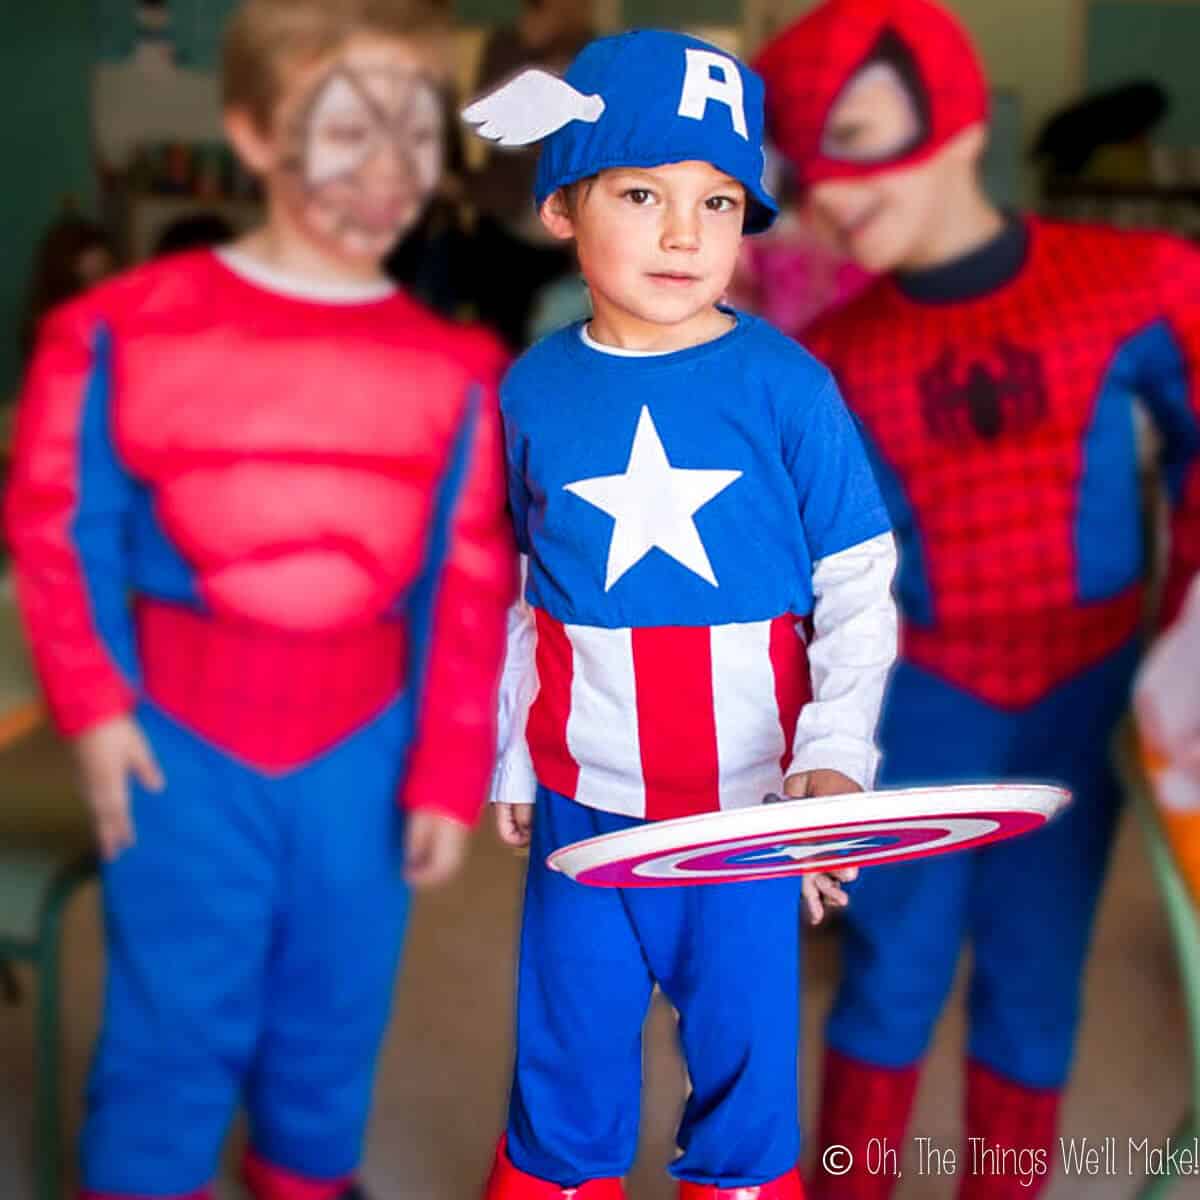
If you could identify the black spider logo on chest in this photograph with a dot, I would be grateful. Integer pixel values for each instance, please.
(1002, 393)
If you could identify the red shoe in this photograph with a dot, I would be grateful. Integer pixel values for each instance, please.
(864, 1114)
(786, 1187)
(1012, 1136)
(508, 1182)
(269, 1182)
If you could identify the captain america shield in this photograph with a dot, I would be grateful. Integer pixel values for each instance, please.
(798, 837)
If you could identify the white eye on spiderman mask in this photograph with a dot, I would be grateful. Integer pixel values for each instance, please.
(366, 152)
(882, 113)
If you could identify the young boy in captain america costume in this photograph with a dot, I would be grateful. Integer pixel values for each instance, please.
(258, 520)
(689, 492)
(994, 370)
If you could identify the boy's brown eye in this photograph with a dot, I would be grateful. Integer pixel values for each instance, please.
(638, 195)
(844, 135)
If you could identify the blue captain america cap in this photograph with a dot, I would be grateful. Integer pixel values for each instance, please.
(639, 99)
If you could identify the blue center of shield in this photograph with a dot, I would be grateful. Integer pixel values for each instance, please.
(783, 856)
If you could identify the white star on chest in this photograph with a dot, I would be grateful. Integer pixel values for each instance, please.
(652, 505)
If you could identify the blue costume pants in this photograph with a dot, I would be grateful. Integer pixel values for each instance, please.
(1025, 906)
(728, 959)
(253, 934)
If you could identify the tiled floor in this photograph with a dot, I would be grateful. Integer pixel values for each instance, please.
(443, 1075)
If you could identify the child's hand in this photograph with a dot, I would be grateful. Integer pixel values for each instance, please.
(822, 782)
(513, 823)
(106, 755)
(823, 891)
(434, 848)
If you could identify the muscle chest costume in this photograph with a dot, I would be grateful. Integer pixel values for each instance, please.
(272, 527)
(996, 396)
(685, 517)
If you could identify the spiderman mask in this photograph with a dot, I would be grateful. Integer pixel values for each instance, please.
(909, 58)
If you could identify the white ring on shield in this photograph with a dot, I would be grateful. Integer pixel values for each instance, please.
(958, 829)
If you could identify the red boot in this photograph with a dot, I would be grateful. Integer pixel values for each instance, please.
(269, 1182)
(864, 1115)
(1012, 1136)
(508, 1182)
(786, 1187)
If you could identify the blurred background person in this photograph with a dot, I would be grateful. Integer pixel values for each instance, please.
(74, 254)
(794, 272)
(513, 258)
(197, 231)
(434, 260)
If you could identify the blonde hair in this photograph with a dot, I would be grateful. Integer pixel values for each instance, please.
(265, 39)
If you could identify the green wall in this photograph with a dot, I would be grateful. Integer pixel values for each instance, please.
(670, 14)
(45, 57)
(661, 13)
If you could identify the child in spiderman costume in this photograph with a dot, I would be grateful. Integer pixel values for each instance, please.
(688, 490)
(258, 521)
(994, 369)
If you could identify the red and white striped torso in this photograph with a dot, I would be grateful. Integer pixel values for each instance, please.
(666, 721)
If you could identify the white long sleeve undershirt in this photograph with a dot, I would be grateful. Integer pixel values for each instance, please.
(850, 655)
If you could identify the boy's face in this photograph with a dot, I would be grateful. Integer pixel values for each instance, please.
(885, 219)
(658, 244)
(355, 149)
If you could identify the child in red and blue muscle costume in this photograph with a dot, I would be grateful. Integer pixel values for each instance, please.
(258, 521)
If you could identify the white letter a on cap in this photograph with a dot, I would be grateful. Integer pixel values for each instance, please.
(700, 86)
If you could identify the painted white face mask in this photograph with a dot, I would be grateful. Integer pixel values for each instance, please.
(366, 152)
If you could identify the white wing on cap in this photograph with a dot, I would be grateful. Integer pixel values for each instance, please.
(530, 107)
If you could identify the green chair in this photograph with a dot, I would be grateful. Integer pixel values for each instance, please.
(1184, 922)
(35, 884)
